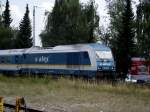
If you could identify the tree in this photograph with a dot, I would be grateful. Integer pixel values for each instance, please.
(0, 13)
(0, 20)
(105, 36)
(143, 28)
(69, 23)
(92, 20)
(6, 32)
(6, 35)
(125, 41)
(115, 11)
(6, 15)
(23, 39)
(139, 28)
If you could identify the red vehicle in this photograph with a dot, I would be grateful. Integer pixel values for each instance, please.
(140, 70)
(148, 63)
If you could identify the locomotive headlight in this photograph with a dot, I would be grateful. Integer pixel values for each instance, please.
(113, 68)
(99, 67)
(100, 64)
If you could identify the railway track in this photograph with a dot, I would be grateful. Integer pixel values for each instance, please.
(20, 106)
(24, 108)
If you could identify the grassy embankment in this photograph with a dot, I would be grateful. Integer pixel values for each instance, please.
(66, 95)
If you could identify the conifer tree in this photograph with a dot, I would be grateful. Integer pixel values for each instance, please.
(139, 27)
(115, 11)
(125, 41)
(6, 15)
(6, 32)
(70, 23)
(24, 36)
(0, 14)
(143, 28)
(6, 35)
(0, 21)
(93, 20)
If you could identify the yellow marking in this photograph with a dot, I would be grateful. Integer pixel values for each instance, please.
(1, 104)
(36, 65)
(19, 102)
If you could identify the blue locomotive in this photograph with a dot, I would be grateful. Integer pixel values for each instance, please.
(88, 60)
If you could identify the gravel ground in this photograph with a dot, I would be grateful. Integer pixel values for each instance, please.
(93, 102)
(76, 96)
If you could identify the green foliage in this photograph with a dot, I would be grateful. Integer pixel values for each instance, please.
(6, 35)
(6, 32)
(23, 39)
(105, 36)
(122, 33)
(69, 23)
(92, 20)
(0, 13)
(115, 11)
(143, 28)
(0, 20)
(6, 15)
(11, 38)
(125, 41)
(139, 27)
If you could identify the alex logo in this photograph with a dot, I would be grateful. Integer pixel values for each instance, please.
(41, 59)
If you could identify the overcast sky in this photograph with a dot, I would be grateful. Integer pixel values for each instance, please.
(17, 8)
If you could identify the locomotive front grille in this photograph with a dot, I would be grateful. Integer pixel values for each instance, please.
(106, 68)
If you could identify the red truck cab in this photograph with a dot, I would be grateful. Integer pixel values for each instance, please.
(140, 70)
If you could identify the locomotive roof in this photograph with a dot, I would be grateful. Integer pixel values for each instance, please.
(99, 47)
(17, 51)
(62, 48)
(95, 46)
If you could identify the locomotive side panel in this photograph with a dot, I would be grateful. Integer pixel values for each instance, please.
(57, 63)
(80, 59)
(10, 63)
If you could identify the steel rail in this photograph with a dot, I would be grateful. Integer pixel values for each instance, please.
(27, 109)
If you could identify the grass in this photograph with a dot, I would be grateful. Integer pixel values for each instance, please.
(76, 95)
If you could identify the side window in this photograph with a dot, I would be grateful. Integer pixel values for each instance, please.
(5, 59)
(16, 59)
(2, 60)
(85, 58)
(24, 56)
(143, 69)
(86, 55)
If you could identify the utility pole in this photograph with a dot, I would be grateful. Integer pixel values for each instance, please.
(34, 25)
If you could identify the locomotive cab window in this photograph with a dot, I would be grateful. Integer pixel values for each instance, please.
(104, 55)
